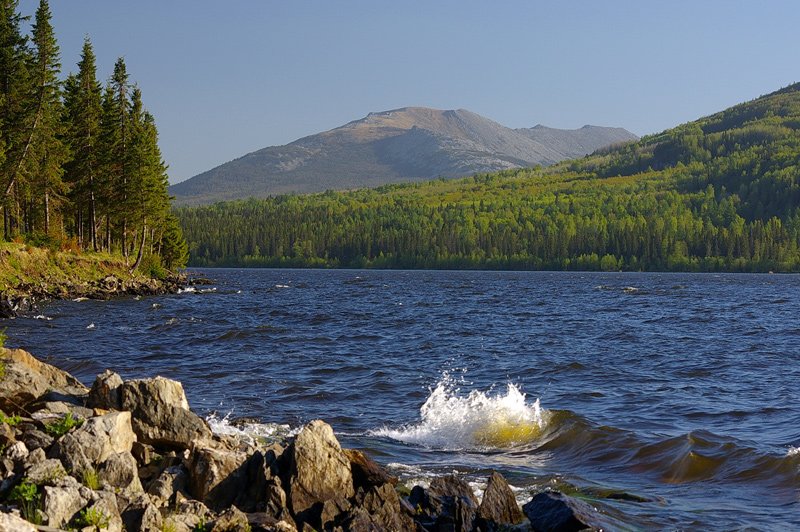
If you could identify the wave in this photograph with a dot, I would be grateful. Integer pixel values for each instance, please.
(478, 421)
(249, 430)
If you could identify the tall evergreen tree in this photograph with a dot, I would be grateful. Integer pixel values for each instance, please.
(48, 151)
(14, 107)
(83, 102)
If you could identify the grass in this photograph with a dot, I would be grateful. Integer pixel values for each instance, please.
(91, 480)
(63, 425)
(92, 517)
(9, 420)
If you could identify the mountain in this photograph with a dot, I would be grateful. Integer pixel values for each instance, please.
(408, 144)
(721, 193)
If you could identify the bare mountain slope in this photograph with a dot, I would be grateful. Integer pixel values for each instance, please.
(409, 144)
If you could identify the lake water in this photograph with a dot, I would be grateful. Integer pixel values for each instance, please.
(667, 400)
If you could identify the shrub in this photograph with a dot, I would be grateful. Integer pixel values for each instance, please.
(91, 480)
(63, 425)
(9, 420)
(26, 495)
(92, 517)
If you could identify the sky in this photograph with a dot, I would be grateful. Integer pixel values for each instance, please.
(224, 78)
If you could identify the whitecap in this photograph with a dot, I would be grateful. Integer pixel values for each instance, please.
(90, 326)
(250, 432)
(476, 421)
(43, 317)
(282, 286)
(187, 290)
(793, 451)
(79, 299)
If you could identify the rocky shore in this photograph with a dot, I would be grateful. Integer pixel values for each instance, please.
(131, 455)
(25, 297)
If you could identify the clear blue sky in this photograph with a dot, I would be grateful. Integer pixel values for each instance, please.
(224, 78)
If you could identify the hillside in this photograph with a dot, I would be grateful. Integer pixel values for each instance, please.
(409, 144)
(718, 194)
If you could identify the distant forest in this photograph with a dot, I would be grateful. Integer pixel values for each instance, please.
(718, 194)
(80, 166)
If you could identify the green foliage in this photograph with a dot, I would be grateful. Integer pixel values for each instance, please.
(9, 420)
(722, 193)
(26, 495)
(91, 479)
(92, 517)
(201, 526)
(77, 169)
(63, 425)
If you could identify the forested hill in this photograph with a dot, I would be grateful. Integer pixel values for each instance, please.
(720, 193)
(401, 145)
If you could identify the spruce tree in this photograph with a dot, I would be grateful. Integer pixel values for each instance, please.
(83, 102)
(15, 108)
(48, 151)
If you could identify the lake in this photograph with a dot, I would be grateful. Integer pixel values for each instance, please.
(667, 400)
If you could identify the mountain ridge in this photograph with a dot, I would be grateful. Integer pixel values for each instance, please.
(403, 144)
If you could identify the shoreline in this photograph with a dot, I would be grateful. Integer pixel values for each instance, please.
(133, 454)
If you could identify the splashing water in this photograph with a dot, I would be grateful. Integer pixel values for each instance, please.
(477, 421)
(250, 432)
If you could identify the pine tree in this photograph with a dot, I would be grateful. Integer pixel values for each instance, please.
(83, 102)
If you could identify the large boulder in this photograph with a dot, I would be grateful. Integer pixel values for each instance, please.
(161, 414)
(93, 442)
(25, 379)
(499, 506)
(554, 511)
(13, 523)
(141, 514)
(449, 504)
(120, 472)
(60, 504)
(318, 471)
(105, 391)
(104, 505)
(217, 476)
(164, 488)
(383, 506)
(366, 472)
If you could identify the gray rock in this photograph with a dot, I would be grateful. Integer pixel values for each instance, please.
(119, 471)
(161, 414)
(499, 506)
(171, 481)
(105, 391)
(17, 452)
(104, 506)
(141, 514)
(448, 504)
(26, 379)
(232, 520)
(61, 504)
(217, 476)
(7, 436)
(318, 471)
(14, 523)
(47, 472)
(34, 457)
(553, 511)
(383, 506)
(37, 439)
(93, 442)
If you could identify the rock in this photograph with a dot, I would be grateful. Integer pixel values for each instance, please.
(383, 506)
(448, 504)
(318, 471)
(17, 451)
(499, 506)
(142, 452)
(332, 510)
(37, 439)
(161, 414)
(44, 409)
(61, 504)
(105, 507)
(94, 441)
(554, 511)
(119, 471)
(34, 457)
(105, 392)
(232, 520)
(13, 523)
(163, 489)
(46, 472)
(6, 435)
(366, 472)
(141, 514)
(217, 476)
(25, 379)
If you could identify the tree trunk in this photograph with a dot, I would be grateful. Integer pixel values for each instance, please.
(47, 213)
(141, 246)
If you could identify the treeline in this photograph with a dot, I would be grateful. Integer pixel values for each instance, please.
(720, 194)
(80, 164)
